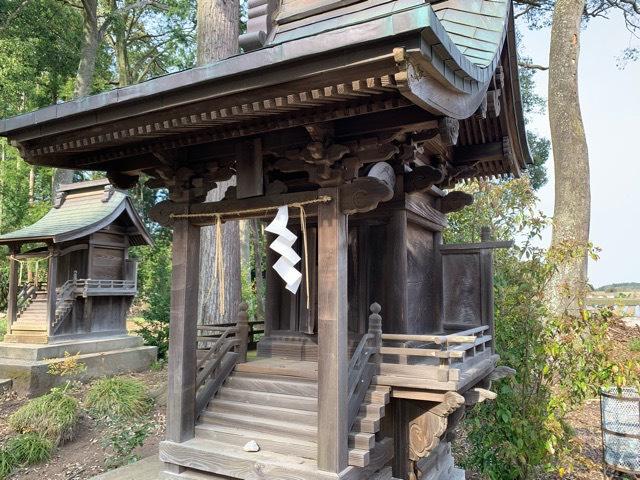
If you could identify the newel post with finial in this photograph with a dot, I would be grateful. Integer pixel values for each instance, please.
(243, 332)
(375, 330)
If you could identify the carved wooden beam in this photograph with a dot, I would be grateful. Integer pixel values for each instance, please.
(454, 201)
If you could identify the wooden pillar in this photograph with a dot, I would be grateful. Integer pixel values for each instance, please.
(333, 356)
(52, 283)
(183, 332)
(12, 300)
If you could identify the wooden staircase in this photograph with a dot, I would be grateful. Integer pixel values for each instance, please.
(274, 402)
(31, 323)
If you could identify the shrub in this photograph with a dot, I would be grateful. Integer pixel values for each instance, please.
(155, 280)
(3, 327)
(30, 448)
(634, 345)
(118, 398)
(53, 416)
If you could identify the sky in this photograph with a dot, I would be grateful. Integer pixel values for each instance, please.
(610, 102)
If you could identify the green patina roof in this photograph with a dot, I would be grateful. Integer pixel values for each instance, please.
(80, 214)
(476, 27)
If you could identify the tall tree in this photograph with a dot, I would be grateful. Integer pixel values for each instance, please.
(572, 209)
(218, 26)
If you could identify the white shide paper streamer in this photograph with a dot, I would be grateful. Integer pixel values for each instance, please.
(285, 265)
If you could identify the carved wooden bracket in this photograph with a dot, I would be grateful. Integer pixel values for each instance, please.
(121, 180)
(426, 431)
(364, 194)
(423, 177)
(449, 129)
(454, 201)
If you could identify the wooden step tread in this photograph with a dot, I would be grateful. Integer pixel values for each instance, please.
(297, 402)
(263, 411)
(281, 367)
(285, 387)
(267, 425)
(284, 444)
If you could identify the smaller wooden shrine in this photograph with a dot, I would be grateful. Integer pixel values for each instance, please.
(82, 247)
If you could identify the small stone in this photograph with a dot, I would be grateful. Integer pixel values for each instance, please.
(251, 446)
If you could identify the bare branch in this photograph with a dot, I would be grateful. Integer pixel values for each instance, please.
(532, 66)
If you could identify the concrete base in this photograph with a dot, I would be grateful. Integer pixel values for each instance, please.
(146, 469)
(28, 364)
(5, 384)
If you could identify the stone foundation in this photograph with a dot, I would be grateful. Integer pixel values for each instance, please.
(28, 364)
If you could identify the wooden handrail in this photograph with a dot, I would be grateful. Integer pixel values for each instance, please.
(228, 349)
(361, 370)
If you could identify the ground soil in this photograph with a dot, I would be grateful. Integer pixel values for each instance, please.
(85, 456)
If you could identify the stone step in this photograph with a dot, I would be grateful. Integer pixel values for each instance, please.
(5, 384)
(27, 337)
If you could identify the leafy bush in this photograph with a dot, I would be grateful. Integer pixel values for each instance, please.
(155, 281)
(118, 398)
(54, 416)
(30, 448)
(634, 345)
(3, 327)
(559, 362)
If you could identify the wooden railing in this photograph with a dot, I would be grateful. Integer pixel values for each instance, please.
(220, 348)
(26, 294)
(256, 331)
(65, 297)
(89, 287)
(361, 368)
(437, 357)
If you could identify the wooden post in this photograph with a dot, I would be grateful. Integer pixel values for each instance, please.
(183, 332)
(243, 332)
(333, 356)
(12, 300)
(52, 284)
(375, 329)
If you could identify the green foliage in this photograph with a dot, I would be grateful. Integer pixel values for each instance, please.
(634, 345)
(122, 438)
(620, 287)
(7, 463)
(30, 448)
(3, 327)
(155, 292)
(118, 397)
(54, 416)
(559, 362)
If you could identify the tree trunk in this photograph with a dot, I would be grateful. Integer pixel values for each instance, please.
(89, 51)
(60, 176)
(572, 209)
(120, 48)
(32, 185)
(218, 25)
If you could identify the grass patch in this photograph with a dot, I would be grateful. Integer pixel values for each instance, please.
(634, 345)
(53, 416)
(7, 463)
(30, 448)
(118, 397)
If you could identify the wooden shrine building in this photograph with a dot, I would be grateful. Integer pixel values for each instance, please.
(82, 245)
(362, 116)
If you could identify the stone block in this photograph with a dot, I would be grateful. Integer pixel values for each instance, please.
(28, 365)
